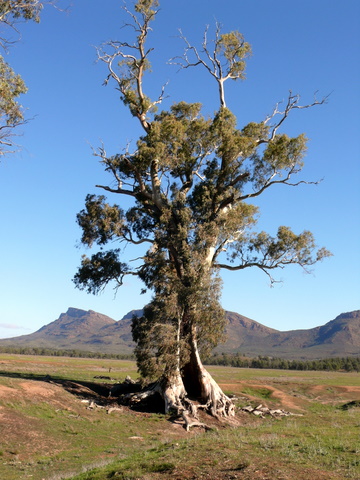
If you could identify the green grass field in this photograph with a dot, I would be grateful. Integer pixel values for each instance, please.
(48, 433)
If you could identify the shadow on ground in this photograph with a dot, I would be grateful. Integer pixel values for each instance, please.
(101, 393)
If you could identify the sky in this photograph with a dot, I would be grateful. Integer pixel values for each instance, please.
(306, 47)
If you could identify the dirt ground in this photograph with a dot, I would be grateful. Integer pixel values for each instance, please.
(25, 437)
(23, 433)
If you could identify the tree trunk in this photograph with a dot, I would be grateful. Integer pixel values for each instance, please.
(173, 392)
(196, 383)
(200, 384)
(172, 388)
(187, 390)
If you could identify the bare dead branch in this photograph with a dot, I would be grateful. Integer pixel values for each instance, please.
(291, 104)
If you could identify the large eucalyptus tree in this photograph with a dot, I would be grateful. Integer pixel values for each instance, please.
(191, 180)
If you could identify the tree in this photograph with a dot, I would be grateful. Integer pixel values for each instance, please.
(191, 179)
(11, 84)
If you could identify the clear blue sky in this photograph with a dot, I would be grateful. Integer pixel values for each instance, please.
(300, 46)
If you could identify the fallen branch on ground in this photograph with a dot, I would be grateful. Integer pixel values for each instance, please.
(261, 411)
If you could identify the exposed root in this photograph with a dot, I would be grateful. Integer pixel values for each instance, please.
(128, 386)
(133, 398)
(217, 403)
(171, 390)
(173, 393)
(192, 422)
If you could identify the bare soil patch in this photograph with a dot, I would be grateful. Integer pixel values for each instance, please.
(334, 394)
(25, 434)
(282, 399)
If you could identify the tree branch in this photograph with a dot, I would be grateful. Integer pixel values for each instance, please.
(224, 62)
(129, 238)
(134, 63)
(291, 104)
(275, 182)
(257, 265)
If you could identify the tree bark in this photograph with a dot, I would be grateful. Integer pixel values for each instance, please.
(173, 392)
(194, 389)
(200, 384)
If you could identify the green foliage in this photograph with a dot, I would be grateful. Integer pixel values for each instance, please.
(146, 7)
(162, 333)
(155, 334)
(96, 272)
(11, 87)
(11, 113)
(100, 222)
(234, 50)
(284, 152)
(15, 9)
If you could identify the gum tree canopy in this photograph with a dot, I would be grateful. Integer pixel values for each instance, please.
(191, 180)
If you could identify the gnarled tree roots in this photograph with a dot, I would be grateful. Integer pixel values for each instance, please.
(176, 401)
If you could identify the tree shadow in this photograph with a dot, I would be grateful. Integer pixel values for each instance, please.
(101, 393)
(76, 387)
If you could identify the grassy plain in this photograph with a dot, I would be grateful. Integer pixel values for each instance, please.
(49, 433)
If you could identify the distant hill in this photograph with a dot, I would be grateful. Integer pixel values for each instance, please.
(337, 338)
(94, 332)
(81, 330)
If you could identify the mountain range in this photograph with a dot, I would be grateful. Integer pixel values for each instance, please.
(94, 332)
